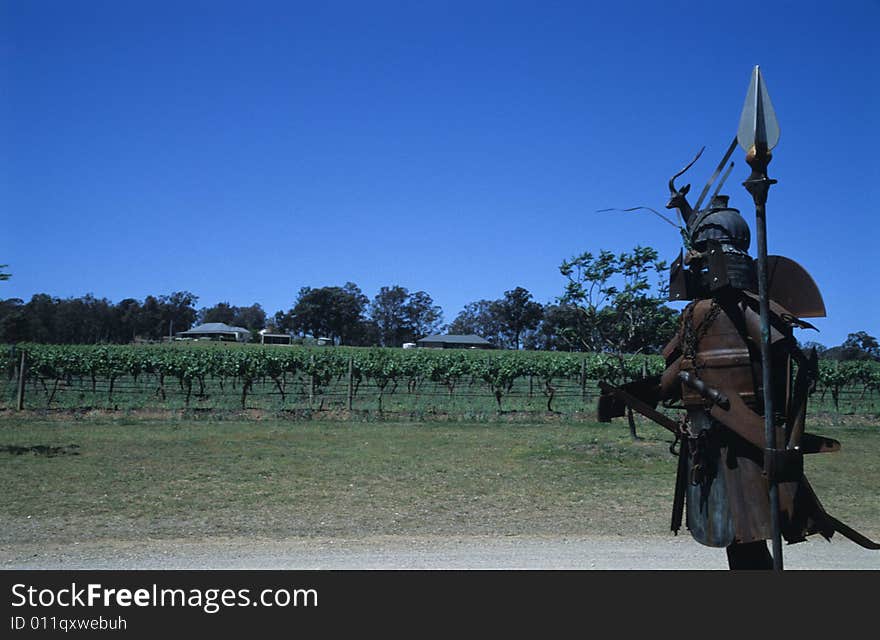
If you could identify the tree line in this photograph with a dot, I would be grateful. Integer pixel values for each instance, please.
(610, 302)
(343, 314)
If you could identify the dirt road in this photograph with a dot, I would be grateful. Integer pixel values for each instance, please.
(425, 552)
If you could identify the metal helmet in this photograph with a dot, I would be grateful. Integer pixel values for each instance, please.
(718, 239)
(722, 224)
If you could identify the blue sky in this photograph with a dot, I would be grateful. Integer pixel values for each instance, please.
(241, 151)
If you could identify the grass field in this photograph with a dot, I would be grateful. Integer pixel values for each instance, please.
(135, 477)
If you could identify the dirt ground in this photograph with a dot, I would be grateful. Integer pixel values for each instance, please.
(421, 552)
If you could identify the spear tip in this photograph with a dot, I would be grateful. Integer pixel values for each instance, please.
(757, 124)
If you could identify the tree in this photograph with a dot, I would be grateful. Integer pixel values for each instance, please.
(860, 346)
(588, 289)
(167, 314)
(221, 312)
(13, 321)
(40, 314)
(330, 312)
(177, 312)
(126, 320)
(818, 346)
(558, 330)
(388, 312)
(85, 320)
(90, 320)
(149, 321)
(399, 316)
(423, 316)
(252, 317)
(619, 309)
(282, 321)
(477, 318)
(639, 319)
(516, 312)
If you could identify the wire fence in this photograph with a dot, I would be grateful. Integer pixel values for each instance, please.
(301, 393)
(297, 393)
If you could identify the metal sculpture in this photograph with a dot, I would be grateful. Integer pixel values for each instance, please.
(737, 371)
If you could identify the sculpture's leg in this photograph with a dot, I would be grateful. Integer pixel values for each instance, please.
(749, 555)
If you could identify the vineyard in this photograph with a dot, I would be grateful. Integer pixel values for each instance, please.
(218, 376)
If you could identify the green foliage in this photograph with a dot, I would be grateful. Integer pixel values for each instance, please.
(504, 322)
(386, 368)
(194, 366)
(478, 318)
(252, 317)
(616, 306)
(859, 346)
(834, 376)
(517, 313)
(330, 312)
(89, 320)
(400, 316)
(229, 360)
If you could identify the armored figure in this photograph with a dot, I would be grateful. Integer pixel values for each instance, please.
(714, 373)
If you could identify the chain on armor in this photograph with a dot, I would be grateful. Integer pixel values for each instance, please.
(693, 335)
(681, 435)
(697, 443)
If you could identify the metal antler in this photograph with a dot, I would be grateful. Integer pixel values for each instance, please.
(640, 208)
(677, 197)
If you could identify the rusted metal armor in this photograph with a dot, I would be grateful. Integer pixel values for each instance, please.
(714, 373)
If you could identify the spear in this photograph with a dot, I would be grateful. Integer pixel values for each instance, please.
(758, 133)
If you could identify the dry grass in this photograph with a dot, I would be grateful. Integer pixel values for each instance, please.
(135, 477)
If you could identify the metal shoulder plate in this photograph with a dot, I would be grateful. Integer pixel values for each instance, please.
(793, 288)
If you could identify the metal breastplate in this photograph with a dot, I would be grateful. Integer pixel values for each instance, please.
(715, 351)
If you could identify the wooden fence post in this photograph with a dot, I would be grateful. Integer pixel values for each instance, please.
(583, 380)
(350, 382)
(311, 381)
(21, 379)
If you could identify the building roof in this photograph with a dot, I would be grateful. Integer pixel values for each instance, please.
(274, 332)
(214, 327)
(468, 340)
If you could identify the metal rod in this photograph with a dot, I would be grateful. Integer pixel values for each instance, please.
(721, 164)
(758, 133)
(767, 378)
(723, 180)
(758, 185)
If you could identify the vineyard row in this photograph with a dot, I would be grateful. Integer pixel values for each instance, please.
(195, 371)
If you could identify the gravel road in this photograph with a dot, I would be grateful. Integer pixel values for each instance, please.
(426, 552)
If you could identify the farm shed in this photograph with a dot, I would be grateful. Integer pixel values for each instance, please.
(271, 337)
(455, 342)
(217, 331)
